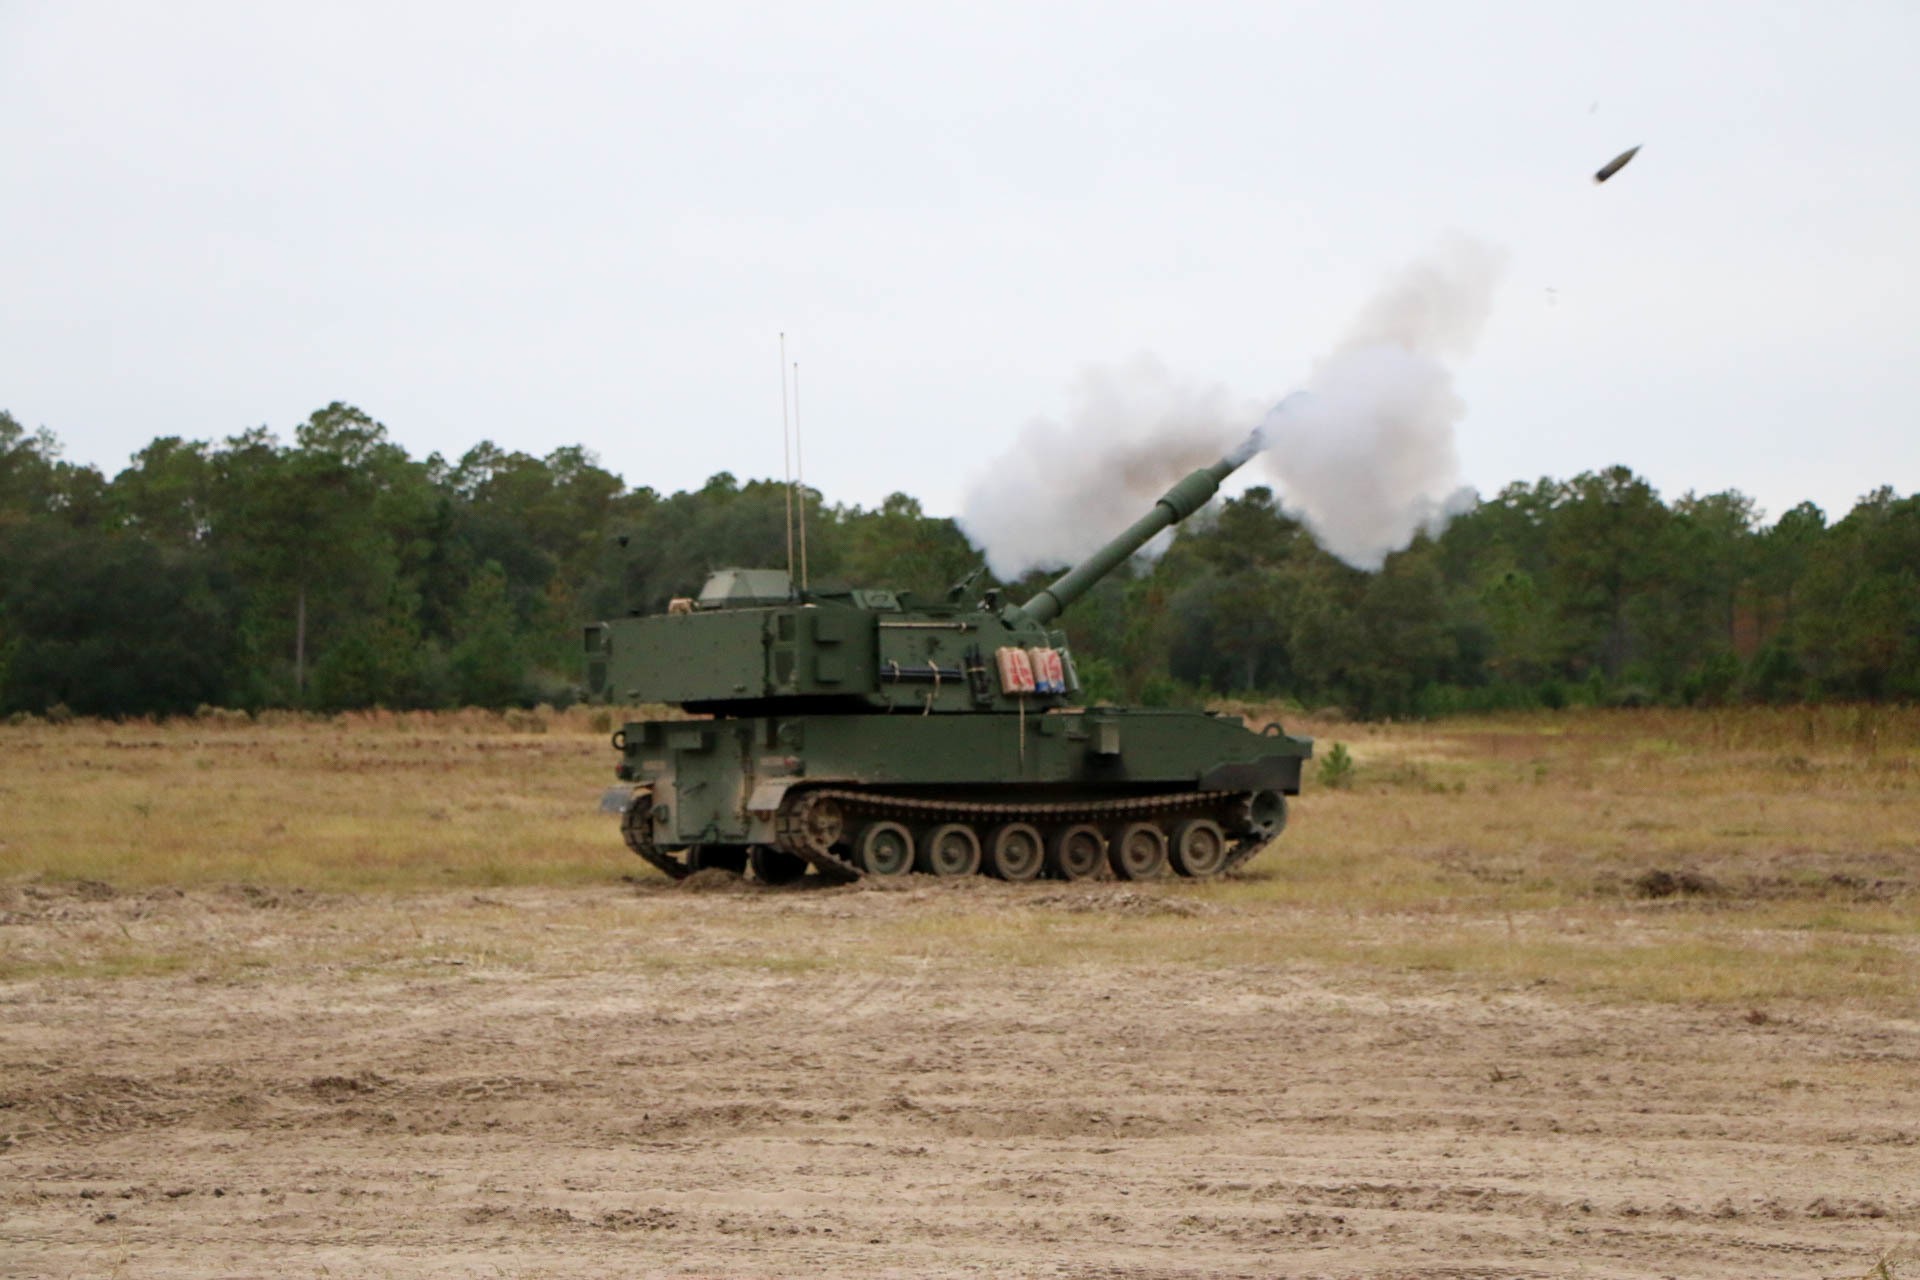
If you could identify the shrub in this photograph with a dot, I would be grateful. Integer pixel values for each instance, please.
(1336, 767)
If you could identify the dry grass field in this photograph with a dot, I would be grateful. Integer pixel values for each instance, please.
(1605, 994)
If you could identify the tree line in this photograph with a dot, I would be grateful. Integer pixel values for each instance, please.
(335, 571)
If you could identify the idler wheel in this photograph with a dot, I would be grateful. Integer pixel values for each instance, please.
(636, 827)
(951, 849)
(884, 849)
(1015, 851)
(1138, 852)
(1076, 852)
(1199, 848)
(776, 866)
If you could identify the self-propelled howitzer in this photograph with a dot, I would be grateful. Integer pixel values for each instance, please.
(863, 732)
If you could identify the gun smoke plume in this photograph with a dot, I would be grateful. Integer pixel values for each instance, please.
(1066, 487)
(1366, 458)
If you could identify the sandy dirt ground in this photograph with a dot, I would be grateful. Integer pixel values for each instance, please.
(519, 1097)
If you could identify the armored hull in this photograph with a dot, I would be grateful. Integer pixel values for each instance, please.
(1066, 791)
(862, 732)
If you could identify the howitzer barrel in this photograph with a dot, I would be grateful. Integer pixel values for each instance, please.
(1175, 505)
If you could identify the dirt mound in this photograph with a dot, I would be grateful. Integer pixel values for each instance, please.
(715, 880)
(262, 898)
(339, 1088)
(53, 900)
(1660, 883)
(1112, 900)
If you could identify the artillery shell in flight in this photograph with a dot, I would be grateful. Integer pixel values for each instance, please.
(1615, 165)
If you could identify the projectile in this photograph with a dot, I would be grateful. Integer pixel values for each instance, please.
(1615, 165)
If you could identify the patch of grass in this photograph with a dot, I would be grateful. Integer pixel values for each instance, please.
(1713, 969)
(1606, 956)
(365, 802)
(1496, 849)
(117, 961)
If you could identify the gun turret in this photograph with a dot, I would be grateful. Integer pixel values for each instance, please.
(1175, 505)
(750, 644)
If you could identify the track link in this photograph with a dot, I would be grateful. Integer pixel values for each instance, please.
(807, 827)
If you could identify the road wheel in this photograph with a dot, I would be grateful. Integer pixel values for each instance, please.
(884, 849)
(1076, 852)
(1015, 851)
(1199, 848)
(776, 866)
(951, 849)
(1138, 851)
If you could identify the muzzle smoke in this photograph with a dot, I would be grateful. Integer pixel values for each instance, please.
(1365, 457)
(1068, 486)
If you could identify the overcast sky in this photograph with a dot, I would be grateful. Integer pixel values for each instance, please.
(568, 224)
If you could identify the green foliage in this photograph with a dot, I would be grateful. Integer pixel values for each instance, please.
(332, 570)
(1775, 675)
(897, 544)
(1336, 767)
(379, 660)
(36, 485)
(1858, 629)
(108, 624)
(1159, 691)
(1099, 680)
(487, 669)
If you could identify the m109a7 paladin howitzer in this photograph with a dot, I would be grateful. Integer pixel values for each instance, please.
(865, 733)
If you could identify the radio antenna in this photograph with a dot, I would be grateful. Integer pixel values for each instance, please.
(786, 455)
(800, 469)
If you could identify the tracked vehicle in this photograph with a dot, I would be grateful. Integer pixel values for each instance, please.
(861, 732)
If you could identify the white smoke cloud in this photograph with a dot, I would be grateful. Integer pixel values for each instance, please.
(1068, 486)
(1366, 458)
